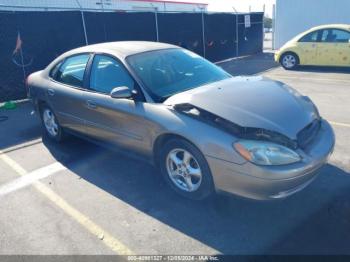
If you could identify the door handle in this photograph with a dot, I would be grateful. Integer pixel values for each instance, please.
(91, 104)
(51, 92)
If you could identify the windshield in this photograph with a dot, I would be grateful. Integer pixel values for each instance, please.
(170, 71)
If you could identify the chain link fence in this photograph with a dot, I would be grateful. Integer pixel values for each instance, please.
(31, 38)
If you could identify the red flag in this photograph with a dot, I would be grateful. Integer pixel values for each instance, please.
(18, 44)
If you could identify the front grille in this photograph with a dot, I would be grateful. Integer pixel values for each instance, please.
(307, 134)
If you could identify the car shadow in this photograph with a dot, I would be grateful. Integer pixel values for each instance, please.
(250, 65)
(326, 230)
(226, 223)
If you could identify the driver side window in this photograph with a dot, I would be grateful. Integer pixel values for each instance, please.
(107, 73)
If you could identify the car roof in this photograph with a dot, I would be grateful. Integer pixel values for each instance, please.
(336, 26)
(120, 49)
(124, 48)
(320, 27)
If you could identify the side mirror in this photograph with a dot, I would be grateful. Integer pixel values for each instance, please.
(121, 92)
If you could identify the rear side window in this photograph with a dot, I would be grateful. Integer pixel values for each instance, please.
(107, 73)
(310, 37)
(335, 36)
(72, 70)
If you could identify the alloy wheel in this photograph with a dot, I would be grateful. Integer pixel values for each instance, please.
(50, 122)
(183, 170)
(289, 61)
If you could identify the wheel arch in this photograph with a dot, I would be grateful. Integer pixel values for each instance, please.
(162, 139)
(41, 102)
(39, 105)
(290, 52)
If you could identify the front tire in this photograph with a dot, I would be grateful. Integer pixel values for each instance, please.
(186, 170)
(50, 124)
(289, 61)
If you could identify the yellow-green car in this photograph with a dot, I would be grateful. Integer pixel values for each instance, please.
(326, 45)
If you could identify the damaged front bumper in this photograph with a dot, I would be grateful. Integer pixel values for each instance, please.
(273, 182)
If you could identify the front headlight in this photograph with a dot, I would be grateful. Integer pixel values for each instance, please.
(265, 153)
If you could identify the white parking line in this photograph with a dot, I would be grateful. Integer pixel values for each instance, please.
(23, 145)
(30, 178)
(339, 124)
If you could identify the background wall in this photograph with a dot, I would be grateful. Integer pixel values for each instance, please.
(296, 16)
(30, 40)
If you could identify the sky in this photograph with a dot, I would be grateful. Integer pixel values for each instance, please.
(240, 5)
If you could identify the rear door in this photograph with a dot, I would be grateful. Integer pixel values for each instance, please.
(118, 121)
(334, 48)
(66, 91)
(307, 46)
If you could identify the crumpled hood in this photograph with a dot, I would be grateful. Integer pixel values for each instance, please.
(253, 102)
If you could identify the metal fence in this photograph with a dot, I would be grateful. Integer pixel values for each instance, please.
(29, 40)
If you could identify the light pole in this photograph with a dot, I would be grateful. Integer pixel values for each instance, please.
(156, 20)
(235, 10)
(102, 5)
(203, 30)
(83, 20)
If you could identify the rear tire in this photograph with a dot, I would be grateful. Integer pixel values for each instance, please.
(289, 61)
(185, 169)
(51, 127)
